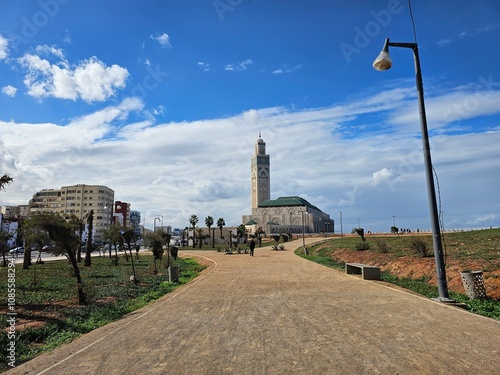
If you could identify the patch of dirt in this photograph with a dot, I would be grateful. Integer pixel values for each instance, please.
(414, 267)
(33, 316)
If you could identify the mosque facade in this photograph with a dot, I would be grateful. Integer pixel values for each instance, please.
(291, 214)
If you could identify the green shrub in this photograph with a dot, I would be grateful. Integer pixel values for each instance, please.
(382, 246)
(419, 246)
(362, 246)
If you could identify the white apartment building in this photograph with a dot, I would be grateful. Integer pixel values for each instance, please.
(78, 200)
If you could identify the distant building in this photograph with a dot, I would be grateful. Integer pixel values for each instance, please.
(77, 200)
(135, 222)
(10, 225)
(122, 213)
(9, 211)
(283, 215)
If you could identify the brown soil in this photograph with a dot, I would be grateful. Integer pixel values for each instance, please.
(413, 267)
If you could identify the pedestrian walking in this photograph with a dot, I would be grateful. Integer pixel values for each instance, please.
(252, 246)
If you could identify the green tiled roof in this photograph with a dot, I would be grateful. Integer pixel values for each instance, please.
(287, 202)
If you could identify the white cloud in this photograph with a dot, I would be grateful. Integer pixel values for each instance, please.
(286, 69)
(67, 37)
(203, 167)
(4, 49)
(204, 66)
(49, 50)
(90, 80)
(443, 42)
(163, 39)
(9, 90)
(469, 34)
(243, 65)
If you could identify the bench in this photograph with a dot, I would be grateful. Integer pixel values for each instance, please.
(367, 272)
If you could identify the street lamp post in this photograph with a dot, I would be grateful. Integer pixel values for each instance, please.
(109, 213)
(154, 223)
(383, 62)
(394, 221)
(341, 229)
(303, 233)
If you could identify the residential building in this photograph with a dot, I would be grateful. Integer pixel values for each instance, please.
(78, 200)
(135, 222)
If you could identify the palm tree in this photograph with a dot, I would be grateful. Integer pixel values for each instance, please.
(193, 220)
(5, 180)
(200, 236)
(209, 221)
(241, 231)
(220, 224)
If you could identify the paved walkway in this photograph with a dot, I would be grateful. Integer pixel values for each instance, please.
(277, 313)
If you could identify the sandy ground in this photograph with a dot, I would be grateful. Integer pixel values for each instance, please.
(277, 313)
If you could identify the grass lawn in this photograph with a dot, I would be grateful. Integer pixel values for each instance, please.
(46, 299)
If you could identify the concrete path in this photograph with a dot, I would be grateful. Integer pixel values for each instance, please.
(277, 313)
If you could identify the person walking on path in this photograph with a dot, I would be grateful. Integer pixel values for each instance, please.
(252, 246)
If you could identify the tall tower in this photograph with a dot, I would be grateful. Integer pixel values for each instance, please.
(261, 178)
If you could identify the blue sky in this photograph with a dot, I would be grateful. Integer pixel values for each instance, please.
(162, 101)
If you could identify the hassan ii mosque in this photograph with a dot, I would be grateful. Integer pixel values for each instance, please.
(283, 215)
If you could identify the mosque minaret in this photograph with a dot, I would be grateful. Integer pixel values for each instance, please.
(291, 214)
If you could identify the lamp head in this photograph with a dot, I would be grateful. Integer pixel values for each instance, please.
(383, 60)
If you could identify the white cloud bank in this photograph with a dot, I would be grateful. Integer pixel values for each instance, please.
(203, 167)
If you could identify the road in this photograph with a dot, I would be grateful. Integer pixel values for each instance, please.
(276, 313)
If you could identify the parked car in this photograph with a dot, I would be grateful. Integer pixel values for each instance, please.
(17, 250)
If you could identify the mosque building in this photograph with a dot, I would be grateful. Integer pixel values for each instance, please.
(291, 214)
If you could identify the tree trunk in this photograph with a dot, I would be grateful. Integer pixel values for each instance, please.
(80, 235)
(133, 266)
(90, 222)
(27, 257)
(79, 283)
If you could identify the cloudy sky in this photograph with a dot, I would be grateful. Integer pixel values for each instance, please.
(163, 102)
